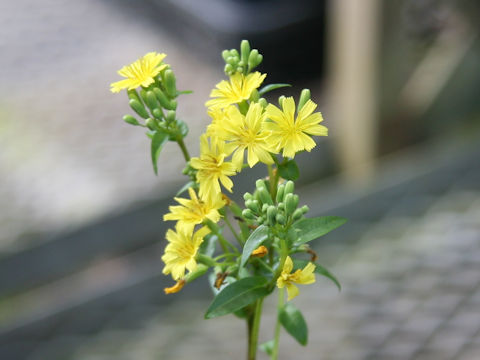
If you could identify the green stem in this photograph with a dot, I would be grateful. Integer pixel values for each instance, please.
(254, 329)
(186, 155)
(229, 224)
(276, 339)
(224, 243)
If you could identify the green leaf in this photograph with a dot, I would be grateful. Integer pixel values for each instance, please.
(255, 239)
(185, 188)
(289, 170)
(309, 229)
(271, 87)
(267, 347)
(184, 92)
(292, 320)
(158, 140)
(237, 295)
(319, 269)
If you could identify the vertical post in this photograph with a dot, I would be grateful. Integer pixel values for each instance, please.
(352, 52)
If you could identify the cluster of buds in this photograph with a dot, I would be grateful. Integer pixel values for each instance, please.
(261, 208)
(241, 63)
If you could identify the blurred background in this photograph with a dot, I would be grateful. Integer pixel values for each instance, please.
(81, 231)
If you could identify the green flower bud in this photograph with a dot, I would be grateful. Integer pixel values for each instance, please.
(173, 105)
(281, 206)
(239, 69)
(234, 53)
(289, 188)
(280, 218)
(252, 59)
(304, 209)
(247, 196)
(138, 108)
(271, 214)
(264, 208)
(151, 124)
(259, 184)
(264, 195)
(162, 99)
(228, 68)
(253, 205)
(280, 191)
(289, 204)
(225, 54)
(297, 214)
(245, 50)
(129, 119)
(157, 113)
(280, 100)
(151, 100)
(247, 214)
(133, 95)
(295, 200)
(171, 116)
(232, 61)
(304, 97)
(259, 59)
(263, 102)
(260, 220)
(170, 83)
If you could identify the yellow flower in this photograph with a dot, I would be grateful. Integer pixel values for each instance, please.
(246, 133)
(305, 276)
(181, 250)
(194, 210)
(140, 73)
(238, 89)
(175, 288)
(294, 135)
(212, 167)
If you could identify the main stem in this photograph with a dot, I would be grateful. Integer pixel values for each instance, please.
(276, 338)
(254, 328)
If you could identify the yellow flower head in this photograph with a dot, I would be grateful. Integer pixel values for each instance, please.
(290, 134)
(140, 73)
(238, 89)
(246, 133)
(194, 211)
(181, 251)
(304, 277)
(212, 167)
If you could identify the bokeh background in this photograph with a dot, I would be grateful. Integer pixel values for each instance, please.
(81, 230)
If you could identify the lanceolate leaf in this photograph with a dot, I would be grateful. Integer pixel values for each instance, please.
(255, 239)
(319, 269)
(309, 229)
(158, 140)
(271, 87)
(292, 320)
(237, 295)
(185, 188)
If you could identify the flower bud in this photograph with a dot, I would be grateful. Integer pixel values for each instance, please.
(247, 214)
(138, 108)
(157, 113)
(171, 115)
(228, 69)
(281, 206)
(239, 69)
(264, 208)
(259, 183)
(271, 214)
(264, 195)
(253, 59)
(151, 124)
(263, 102)
(289, 204)
(133, 95)
(225, 54)
(247, 196)
(245, 50)
(280, 219)
(129, 119)
(234, 53)
(304, 97)
(200, 270)
(162, 99)
(259, 59)
(170, 83)
(151, 100)
(297, 214)
(254, 95)
(280, 191)
(304, 209)
(280, 100)
(289, 188)
(253, 205)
